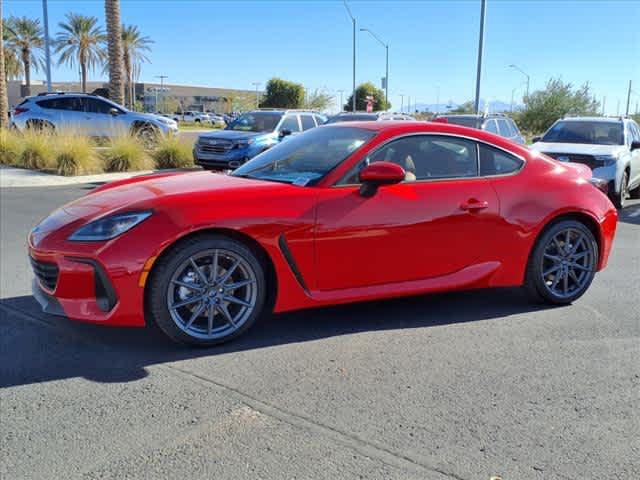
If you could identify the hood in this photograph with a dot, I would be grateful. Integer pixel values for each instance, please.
(233, 134)
(151, 192)
(577, 148)
(153, 117)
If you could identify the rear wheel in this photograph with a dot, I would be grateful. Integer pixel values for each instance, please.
(207, 290)
(562, 264)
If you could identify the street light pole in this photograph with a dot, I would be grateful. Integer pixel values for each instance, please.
(353, 21)
(437, 99)
(628, 98)
(522, 72)
(257, 84)
(341, 100)
(47, 49)
(161, 77)
(386, 78)
(480, 50)
(401, 102)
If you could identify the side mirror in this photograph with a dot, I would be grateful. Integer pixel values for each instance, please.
(377, 174)
(537, 138)
(114, 111)
(285, 132)
(635, 145)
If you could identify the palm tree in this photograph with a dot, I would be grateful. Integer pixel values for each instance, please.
(26, 38)
(12, 64)
(4, 103)
(116, 86)
(134, 48)
(81, 40)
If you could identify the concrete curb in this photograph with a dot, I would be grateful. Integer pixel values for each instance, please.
(11, 177)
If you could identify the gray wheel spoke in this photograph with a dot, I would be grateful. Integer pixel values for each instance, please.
(214, 268)
(198, 271)
(558, 246)
(195, 315)
(229, 272)
(574, 277)
(553, 258)
(553, 269)
(565, 283)
(190, 286)
(554, 284)
(578, 256)
(210, 319)
(225, 312)
(239, 301)
(579, 267)
(188, 301)
(241, 283)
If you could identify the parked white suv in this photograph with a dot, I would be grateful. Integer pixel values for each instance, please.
(609, 146)
(191, 117)
(87, 114)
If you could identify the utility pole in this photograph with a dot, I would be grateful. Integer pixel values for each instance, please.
(386, 78)
(353, 21)
(604, 102)
(618, 109)
(161, 77)
(341, 100)
(401, 103)
(257, 84)
(409, 104)
(47, 47)
(437, 99)
(628, 99)
(480, 50)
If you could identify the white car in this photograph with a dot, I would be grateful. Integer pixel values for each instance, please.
(217, 120)
(609, 146)
(191, 117)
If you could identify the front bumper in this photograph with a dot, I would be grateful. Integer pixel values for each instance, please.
(610, 174)
(231, 159)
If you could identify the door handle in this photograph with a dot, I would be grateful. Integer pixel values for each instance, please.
(472, 205)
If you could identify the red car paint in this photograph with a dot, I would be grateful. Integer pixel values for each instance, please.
(408, 238)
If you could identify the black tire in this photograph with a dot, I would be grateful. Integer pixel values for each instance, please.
(148, 134)
(635, 193)
(160, 284)
(619, 199)
(536, 284)
(197, 120)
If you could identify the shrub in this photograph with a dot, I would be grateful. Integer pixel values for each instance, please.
(36, 152)
(10, 147)
(126, 153)
(76, 155)
(170, 152)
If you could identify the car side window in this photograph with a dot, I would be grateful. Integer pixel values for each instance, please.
(70, 104)
(307, 122)
(503, 127)
(491, 126)
(290, 123)
(320, 120)
(514, 127)
(635, 130)
(94, 105)
(494, 161)
(425, 157)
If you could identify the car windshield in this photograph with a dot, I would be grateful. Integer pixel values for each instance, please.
(353, 118)
(305, 158)
(256, 122)
(591, 132)
(464, 121)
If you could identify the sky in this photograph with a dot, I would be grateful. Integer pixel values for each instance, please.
(433, 44)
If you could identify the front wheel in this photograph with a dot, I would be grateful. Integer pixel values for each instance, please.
(562, 264)
(207, 290)
(619, 199)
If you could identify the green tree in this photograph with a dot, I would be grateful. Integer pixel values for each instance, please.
(317, 100)
(81, 40)
(466, 107)
(12, 64)
(26, 38)
(4, 103)
(281, 93)
(543, 107)
(134, 52)
(362, 92)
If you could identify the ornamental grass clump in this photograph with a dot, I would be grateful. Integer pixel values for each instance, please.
(37, 150)
(125, 154)
(170, 152)
(76, 155)
(10, 147)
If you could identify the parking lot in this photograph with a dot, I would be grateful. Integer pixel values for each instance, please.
(459, 386)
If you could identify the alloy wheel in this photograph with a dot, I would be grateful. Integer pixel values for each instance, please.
(212, 294)
(568, 261)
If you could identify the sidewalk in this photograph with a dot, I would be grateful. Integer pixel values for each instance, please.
(20, 177)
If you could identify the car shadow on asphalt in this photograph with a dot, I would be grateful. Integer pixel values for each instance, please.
(36, 347)
(630, 214)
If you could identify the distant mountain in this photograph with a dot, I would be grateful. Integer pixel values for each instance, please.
(494, 106)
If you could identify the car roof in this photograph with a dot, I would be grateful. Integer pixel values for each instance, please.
(592, 119)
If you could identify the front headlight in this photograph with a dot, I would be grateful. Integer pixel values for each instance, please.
(244, 143)
(606, 160)
(108, 227)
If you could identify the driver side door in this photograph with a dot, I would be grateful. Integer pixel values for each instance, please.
(437, 222)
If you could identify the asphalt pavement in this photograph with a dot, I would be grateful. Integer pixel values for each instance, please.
(456, 386)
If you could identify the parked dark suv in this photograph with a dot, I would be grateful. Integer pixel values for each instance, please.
(492, 123)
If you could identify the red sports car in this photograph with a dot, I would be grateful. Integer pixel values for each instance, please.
(338, 214)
